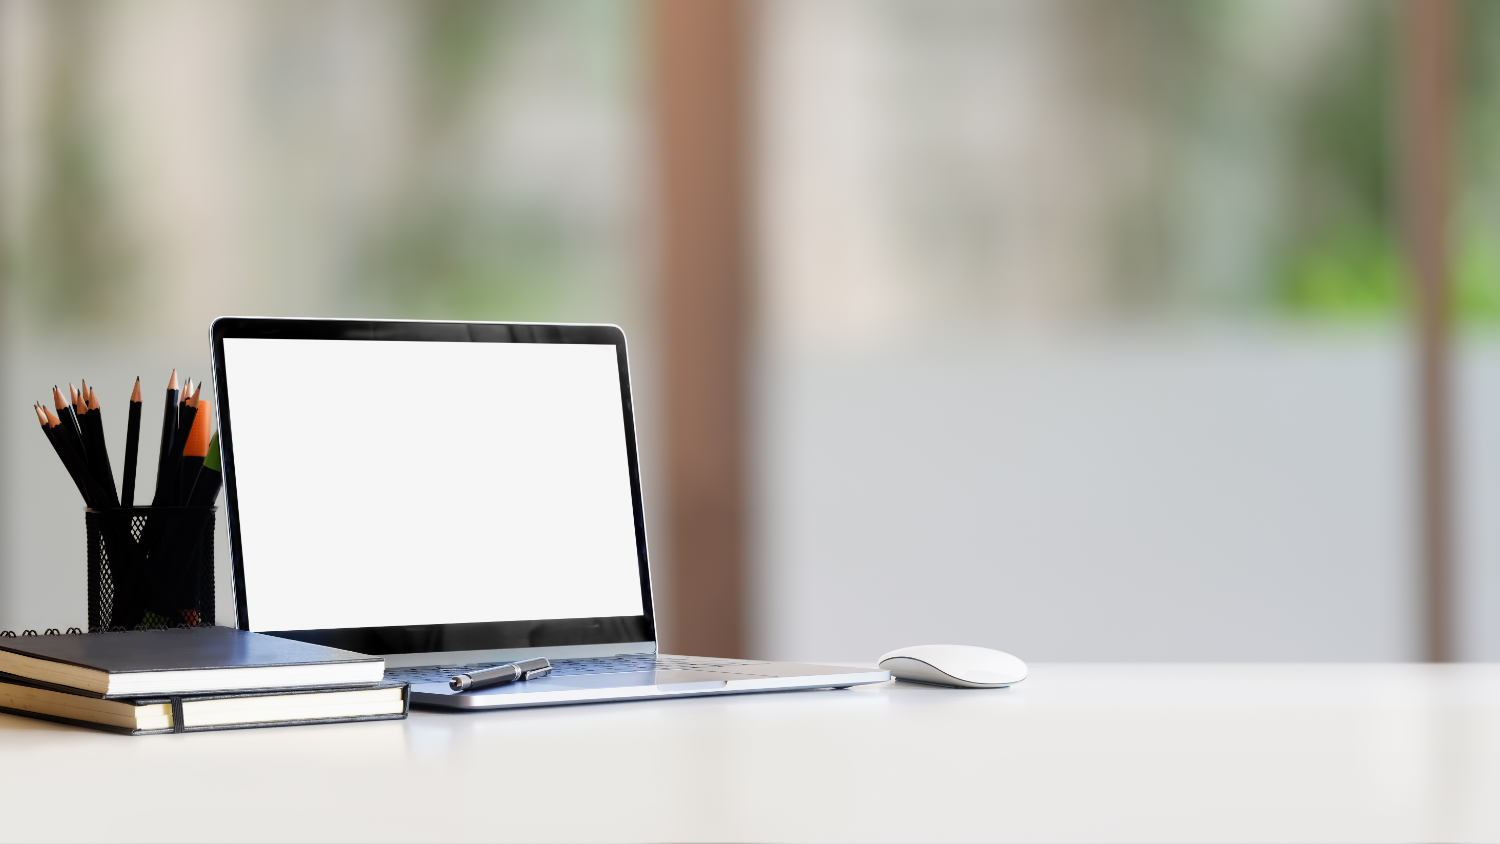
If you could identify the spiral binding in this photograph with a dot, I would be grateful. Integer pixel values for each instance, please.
(51, 631)
(74, 631)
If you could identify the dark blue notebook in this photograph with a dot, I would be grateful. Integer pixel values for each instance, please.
(182, 661)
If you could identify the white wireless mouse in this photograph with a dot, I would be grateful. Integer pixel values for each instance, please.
(961, 666)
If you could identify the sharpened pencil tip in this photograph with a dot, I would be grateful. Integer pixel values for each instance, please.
(172, 385)
(57, 398)
(41, 415)
(135, 395)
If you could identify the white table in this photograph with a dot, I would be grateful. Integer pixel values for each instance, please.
(1076, 753)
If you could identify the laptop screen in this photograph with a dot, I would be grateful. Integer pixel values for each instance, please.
(458, 487)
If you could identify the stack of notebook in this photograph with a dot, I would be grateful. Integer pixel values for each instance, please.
(189, 680)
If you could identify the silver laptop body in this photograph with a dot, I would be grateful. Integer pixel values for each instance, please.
(472, 498)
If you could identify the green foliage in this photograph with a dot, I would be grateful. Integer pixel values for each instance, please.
(1355, 277)
(1476, 282)
(1366, 279)
(1343, 254)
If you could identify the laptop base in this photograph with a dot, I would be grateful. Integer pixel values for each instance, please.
(675, 677)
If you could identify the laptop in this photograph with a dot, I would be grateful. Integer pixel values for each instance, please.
(453, 496)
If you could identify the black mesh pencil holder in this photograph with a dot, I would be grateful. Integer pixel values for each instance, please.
(150, 567)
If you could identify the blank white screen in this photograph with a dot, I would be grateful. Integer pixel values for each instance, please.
(430, 483)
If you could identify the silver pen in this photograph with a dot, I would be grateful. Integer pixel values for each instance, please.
(509, 672)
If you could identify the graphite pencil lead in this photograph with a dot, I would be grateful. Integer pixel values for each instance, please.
(172, 385)
(197, 394)
(93, 399)
(41, 415)
(58, 399)
(135, 395)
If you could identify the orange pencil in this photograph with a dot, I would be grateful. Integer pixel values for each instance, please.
(194, 450)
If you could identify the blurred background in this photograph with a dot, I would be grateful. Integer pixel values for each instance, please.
(1087, 330)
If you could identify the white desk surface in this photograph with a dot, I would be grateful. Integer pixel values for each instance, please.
(1098, 753)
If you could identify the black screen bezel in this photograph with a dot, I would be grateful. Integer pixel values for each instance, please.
(428, 638)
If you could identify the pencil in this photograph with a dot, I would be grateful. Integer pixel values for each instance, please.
(187, 413)
(168, 433)
(194, 450)
(109, 468)
(48, 428)
(65, 414)
(210, 478)
(86, 430)
(68, 431)
(79, 409)
(97, 497)
(70, 434)
(184, 399)
(132, 445)
(85, 421)
(52, 420)
(187, 410)
(104, 471)
(41, 416)
(81, 413)
(70, 451)
(75, 407)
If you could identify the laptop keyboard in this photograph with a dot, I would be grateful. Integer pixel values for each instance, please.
(574, 667)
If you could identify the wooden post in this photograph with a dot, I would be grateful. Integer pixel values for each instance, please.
(699, 56)
(1427, 65)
